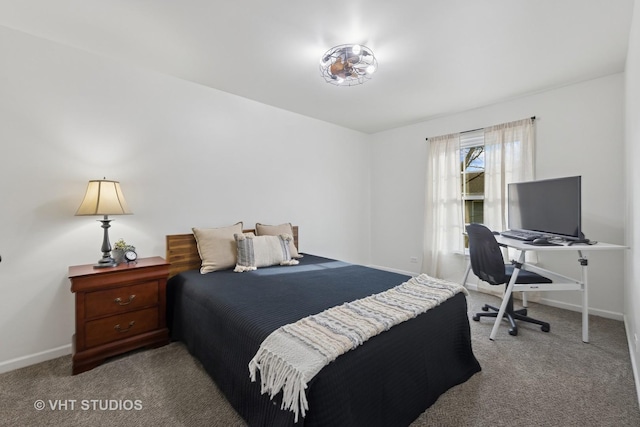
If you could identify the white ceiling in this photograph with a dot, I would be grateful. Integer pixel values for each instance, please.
(435, 57)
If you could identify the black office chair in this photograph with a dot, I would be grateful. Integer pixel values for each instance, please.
(488, 264)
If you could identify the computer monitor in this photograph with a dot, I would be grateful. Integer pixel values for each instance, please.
(551, 206)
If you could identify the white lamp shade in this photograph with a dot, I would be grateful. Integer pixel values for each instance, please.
(103, 197)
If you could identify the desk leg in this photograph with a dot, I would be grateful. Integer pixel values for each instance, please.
(585, 297)
(505, 298)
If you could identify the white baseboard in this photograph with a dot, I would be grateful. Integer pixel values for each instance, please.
(393, 270)
(471, 286)
(32, 359)
(632, 353)
(575, 307)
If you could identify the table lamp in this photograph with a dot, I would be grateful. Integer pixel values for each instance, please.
(104, 197)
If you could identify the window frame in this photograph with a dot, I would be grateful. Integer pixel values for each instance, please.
(469, 139)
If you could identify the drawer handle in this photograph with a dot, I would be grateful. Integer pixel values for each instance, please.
(117, 327)
(119, 300)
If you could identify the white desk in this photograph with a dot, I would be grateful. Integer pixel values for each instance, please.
(560, 282)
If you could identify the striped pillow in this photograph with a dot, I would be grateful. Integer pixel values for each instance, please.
(262, 251)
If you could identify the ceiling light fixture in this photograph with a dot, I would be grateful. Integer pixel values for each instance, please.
(348, 65)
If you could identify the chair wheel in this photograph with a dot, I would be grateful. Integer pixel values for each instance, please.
(513, 332)
(485, 308)
(545, 328)
(476, 317)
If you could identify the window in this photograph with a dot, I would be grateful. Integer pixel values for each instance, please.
(472, 171)
(467, 177)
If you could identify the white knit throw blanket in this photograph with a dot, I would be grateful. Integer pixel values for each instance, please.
(293, 354)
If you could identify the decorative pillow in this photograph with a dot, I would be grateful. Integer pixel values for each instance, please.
(262, 251)
(217, 247)
(276, 230)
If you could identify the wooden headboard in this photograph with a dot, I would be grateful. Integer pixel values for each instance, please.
(182, 251)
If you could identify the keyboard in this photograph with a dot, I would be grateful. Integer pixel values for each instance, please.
(527, 236)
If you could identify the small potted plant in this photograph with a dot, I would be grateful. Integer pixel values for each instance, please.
(119, 248)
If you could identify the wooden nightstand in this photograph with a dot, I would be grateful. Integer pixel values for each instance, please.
(118, 309)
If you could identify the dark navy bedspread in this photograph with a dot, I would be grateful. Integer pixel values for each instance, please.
(223, 317)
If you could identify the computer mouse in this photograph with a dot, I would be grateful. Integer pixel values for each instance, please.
(540, 241)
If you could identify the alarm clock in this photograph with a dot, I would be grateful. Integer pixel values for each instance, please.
(130, 255)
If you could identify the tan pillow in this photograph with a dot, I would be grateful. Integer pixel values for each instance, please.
(217, 247)
(276, 230)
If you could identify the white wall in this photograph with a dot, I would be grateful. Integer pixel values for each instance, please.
(632, 154)
(579, 132)
(186, 156)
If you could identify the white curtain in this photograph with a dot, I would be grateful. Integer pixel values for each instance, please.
(443, 207)
(509, 151)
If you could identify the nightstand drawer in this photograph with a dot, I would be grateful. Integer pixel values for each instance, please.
(119, 300)
(124, 325)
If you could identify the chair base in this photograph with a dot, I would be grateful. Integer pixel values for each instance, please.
(512, 315)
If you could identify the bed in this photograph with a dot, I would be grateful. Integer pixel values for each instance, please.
(223, 317)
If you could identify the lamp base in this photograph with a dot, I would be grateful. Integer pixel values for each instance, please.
(105, 262)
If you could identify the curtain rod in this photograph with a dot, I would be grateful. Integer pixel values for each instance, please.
(473, 130)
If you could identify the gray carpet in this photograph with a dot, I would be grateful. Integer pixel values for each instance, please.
(534, 379)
